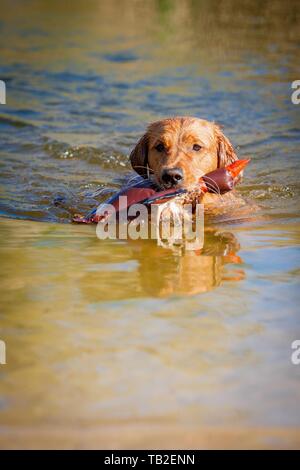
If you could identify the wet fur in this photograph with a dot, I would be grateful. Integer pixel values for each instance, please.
(178, 135)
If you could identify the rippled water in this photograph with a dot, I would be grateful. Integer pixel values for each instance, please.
(125, 336)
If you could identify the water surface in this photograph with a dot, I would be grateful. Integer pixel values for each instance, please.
(124, 343)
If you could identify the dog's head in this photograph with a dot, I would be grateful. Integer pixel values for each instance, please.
(176, 152)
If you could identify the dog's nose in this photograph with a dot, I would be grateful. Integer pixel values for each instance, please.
(172, 177)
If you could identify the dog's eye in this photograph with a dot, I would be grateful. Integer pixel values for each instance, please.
(197, 147)
(160, 147)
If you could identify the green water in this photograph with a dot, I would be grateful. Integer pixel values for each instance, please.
(126, 335)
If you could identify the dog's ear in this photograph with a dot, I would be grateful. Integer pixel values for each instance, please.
(226, 153)
(139, 156)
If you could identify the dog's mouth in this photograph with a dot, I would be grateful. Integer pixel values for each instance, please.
(165, 186)
(161, 186)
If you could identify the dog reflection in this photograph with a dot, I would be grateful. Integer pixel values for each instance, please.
(158, 272)
(166, 273)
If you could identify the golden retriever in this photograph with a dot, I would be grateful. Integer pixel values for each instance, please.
(176, 152)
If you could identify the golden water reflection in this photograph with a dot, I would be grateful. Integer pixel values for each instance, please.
(98, 337)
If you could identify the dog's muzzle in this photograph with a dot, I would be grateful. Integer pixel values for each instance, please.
(172, 177)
